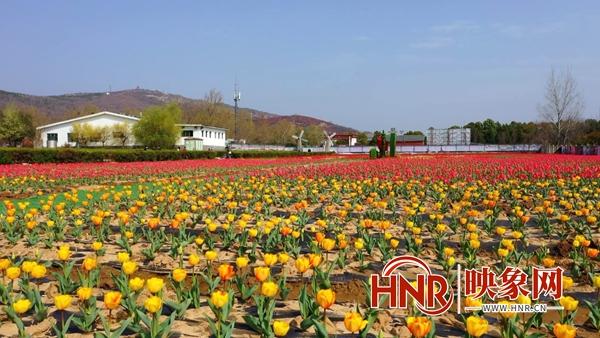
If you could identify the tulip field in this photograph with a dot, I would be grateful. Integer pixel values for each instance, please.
(285, 247)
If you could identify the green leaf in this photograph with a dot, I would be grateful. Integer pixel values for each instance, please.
(320, 329)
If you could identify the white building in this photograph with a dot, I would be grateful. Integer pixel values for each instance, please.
(193, 136)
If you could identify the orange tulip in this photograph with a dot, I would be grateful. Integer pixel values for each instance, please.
(226, 272)
(261, 273)
(112, 299)
(418, 326)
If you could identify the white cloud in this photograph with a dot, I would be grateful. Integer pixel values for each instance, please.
(521, 31)
(456, 26)
(433, 43)
(361, 38)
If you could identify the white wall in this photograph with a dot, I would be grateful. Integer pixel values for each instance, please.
(214, 138)
(64, 129)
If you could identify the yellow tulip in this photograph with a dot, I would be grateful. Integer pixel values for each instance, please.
(359, 244)
(38, 271)
(569, 303)
(283, 258)
(154, 285)
(270, 259)
(354, 322)
(269, 289)
(328, 244)
(21, 306)
(194, 260)
(597, 282)
(153, 304)
(325, 298)
(302, 264)
(210, 255)
(13, 272)
(123, 257)
(62, 302)
(472, 302)
(253, 232)
(4, 264)
(477, 326)
(64, 253)
(179, 275)
(136, 284)
(219, 298)
(129, 267)
(84, 293)
(522, 299)
(96, 246)
(89, 263)
(280, 328)
(27, 266)
(567, 282)
(241, 262)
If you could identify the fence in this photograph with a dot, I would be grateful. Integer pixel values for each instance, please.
(479, 148)
(448, 148)
(579, 150)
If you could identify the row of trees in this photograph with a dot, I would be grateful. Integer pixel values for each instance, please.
(583, 132)
(84, 134)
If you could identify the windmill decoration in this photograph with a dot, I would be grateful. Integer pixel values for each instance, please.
(299, 140)
(328, 141)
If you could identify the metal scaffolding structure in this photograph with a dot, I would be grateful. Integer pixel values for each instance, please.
(453, 136)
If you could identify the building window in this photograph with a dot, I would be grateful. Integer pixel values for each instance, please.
(70, 138)
(52, 137)
(187, 133)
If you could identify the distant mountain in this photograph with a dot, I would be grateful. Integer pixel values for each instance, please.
(54, 107)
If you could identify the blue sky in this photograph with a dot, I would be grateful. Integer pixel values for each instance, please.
(365, 64)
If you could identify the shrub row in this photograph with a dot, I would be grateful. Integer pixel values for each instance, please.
(71, 155)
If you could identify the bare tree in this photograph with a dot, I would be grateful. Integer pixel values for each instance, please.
(213, 97)
(104, 134)
(563, 105)
(121, 132)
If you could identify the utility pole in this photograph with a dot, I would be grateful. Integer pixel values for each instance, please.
(236, 98)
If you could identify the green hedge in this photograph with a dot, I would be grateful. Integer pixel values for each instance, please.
(70, 155)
